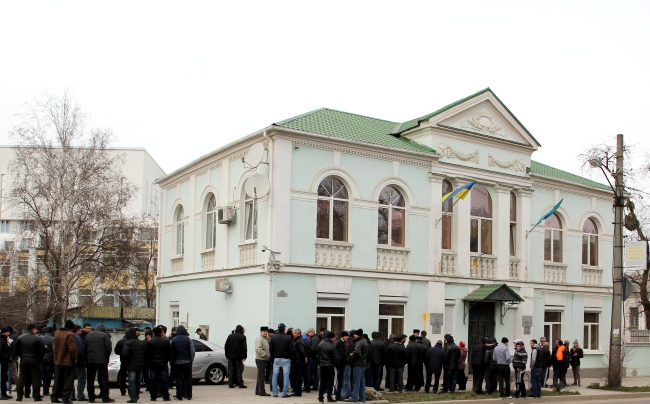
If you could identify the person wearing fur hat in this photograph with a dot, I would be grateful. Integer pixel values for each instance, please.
(575, 354)
(262, 356)
(65, 356)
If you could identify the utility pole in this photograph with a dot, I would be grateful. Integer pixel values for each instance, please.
(615, 365)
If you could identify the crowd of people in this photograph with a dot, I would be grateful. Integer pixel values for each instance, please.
(339, 367)
(73, 352)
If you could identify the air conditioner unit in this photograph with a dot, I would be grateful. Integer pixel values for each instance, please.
(223, 285)
(225, 215)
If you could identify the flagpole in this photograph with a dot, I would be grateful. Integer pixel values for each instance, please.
(438, 221)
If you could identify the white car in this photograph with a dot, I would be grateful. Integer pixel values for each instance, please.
(209, 363)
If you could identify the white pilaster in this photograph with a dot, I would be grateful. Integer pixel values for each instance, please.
(191, 245)
(501, 231)
(225, 194)
(281, 197)
(523, 225)
(461, 231)
(435, 304)
(435, 224)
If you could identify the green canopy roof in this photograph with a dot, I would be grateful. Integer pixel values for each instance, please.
(499, 292)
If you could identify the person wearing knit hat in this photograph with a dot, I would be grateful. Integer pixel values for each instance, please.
(575, 355)
(358, 362)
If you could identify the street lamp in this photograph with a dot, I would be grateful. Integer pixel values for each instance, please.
(614, 376)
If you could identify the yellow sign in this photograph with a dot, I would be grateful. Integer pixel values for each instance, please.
(634, 253)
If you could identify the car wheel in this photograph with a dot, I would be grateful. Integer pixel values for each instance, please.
(215, 374)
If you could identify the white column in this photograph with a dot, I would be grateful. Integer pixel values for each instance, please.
(461, 231)
(435, 224)
(436, 304)
(501, 231)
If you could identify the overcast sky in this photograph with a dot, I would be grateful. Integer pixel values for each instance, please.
(182, 79)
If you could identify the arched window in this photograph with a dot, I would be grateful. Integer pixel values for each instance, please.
(480, 240)
(447, 216)
(180, 231)
(250, 218)
(332, 215)
(590, 243)
(391, 229)
(211, 223)
(553, 239)
(513, 224)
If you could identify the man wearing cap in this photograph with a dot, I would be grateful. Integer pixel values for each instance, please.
(502, 356)
(435, 358)
(280, 348)
(65, 356)
(5, 360)
(358, 365)
(328, 357)
(201, 334)
(451, 364)
(262, 356)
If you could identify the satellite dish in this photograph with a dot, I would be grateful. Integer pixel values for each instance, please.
(255, 155)
(257, 186)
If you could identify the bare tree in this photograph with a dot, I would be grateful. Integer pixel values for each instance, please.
(70, 192)
(637, 217)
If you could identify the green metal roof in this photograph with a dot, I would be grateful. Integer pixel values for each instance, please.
(354, 127)
(491, 292)
(548, 171)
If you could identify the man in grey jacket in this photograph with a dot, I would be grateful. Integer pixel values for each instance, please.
(262, 356)
(502, 356)
(98, 349)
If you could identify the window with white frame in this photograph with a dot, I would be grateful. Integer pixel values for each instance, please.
(250, 218)
(331, 318)
(447, 217)
(553, 239)
(590, 340)
(211, 223)
(180, 231)
(391, 319)
(332, 211)
(392, 218)
(23, 267)
(480, 240)
(552, 326)
(513, 224)
(633, 318)
(590, 243)
(4, 226)
(176, 315)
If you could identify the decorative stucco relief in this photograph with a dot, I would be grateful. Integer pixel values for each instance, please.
(516, 164)
(484, 123)
(447, 151)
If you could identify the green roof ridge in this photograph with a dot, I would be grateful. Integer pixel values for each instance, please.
(552, 172)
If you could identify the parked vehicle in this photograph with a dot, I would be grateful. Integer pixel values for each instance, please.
(209, 363)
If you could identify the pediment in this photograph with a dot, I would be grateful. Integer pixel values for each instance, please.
(485, 116)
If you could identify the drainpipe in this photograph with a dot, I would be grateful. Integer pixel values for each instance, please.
(269, 238)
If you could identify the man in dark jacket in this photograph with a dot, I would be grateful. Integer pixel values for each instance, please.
(80, 367)
(415, 355)
(236, 353)
(377, 360)
(425, 341)
(5, 360)
(314, 340)
(395, 361)
(29, 348)
(133, 355)
(65, 356)
(47, 364)
(434, 359)
(281, 346)
(478, 370)
(159, 353)
(358, 366)
(328, 357)
(343, 350)
(298, 361)
(490, 366)
(97, 347)
(183, 357)
(451, 364)
(123, 374)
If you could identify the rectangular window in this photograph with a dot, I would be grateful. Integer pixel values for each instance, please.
(391, 319)
(513, 240)
(180, 239)
(382, 229)
(633, 318)
(211, 231)
(23, 267)
(552, 326)
(331, 318)
(590, 340)
(4, 226)
(176, 316)
(480, 236)
(553, 245)
(85, 297)
(446, 231)
(590, 250)
(323, 219)
(250, 229)
(5, 267)
(108, 300)
(340, 221)
(25, 243)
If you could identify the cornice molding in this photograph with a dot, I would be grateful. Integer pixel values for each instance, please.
(565, 189)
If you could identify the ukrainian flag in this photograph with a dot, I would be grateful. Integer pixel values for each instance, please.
(460, 193)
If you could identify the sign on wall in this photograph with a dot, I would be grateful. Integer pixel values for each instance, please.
(636, 255)
(435, 319)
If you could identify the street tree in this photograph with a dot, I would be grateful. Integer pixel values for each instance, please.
(71, 196)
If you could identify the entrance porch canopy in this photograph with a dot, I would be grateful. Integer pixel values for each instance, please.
(492, 293)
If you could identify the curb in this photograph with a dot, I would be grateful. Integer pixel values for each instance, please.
(550, 399)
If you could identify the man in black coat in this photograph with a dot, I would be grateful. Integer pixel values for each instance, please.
(133, 355)
(280, 347)
(183, 353)
(159, 353)
(97, 347)
(29, 348)
(395, 361)
(415, 355)
(5, 360)
(343, 350)
(451, 364)
(314, 340)
(434, 359)
(328, 357)
(377, 360)
(298, 362)
(236, 353)
(124, 372)
(47, 364)
(490, 366)
(478, 369)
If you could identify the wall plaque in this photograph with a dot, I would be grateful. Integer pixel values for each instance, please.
(435, 319)
(527, 321)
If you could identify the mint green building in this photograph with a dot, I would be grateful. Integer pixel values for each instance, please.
(360, 237)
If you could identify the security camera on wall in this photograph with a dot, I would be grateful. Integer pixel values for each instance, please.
(263, 248)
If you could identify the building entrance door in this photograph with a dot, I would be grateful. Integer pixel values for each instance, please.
(481, 324)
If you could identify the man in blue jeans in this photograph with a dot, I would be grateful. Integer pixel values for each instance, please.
(358, 364)
(280, 347)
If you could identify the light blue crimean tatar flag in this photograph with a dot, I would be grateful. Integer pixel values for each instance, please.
(549, 213)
